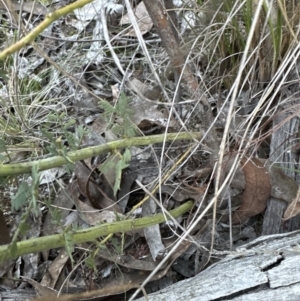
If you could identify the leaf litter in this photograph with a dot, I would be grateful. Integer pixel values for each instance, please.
(105, 189)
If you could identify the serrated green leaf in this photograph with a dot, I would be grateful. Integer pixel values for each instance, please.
(107, 107)
(20, 198)
(70, 123)
(119, 168)
(118, 130)
(127, 156)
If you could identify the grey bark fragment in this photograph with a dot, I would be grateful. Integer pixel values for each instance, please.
(266, 269)
(278, 276)
(290, 293)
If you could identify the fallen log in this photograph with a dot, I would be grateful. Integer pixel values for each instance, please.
(267, 268)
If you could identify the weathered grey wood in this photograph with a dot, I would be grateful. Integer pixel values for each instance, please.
(273, 216)
(292, 264)
(267, 268)
(290, 293)
(18, 295)
(281, 151)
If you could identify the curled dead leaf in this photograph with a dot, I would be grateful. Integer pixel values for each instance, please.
(294, 208)
(95, 194)
(257, 190)
(143, 20)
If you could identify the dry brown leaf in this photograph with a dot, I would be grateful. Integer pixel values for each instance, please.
(294, 208)
(147, 113)
(50, 278)
(282, 187)
(94, 217)
(142, 17)
(238, 181)
(144, 90)
(88, 213)
(257, 190)
(40, 289)
(96, 195)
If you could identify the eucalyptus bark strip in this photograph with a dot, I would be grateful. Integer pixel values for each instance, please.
(58, 240)
(73, 156)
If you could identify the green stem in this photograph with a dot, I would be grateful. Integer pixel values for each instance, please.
(58, 240)
(73, 156)
(49, 18)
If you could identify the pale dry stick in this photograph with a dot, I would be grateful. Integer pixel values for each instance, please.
(204, 196)
(283, 12)
(30, 13)
(10, 10)
(145, 294)
(115, 57)
(184, 236)
(270, 89)
(143, 46)
(164, 211)
(229, 117)
(109, 45)
(230, 220)
(107, 40)
(164, 142)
